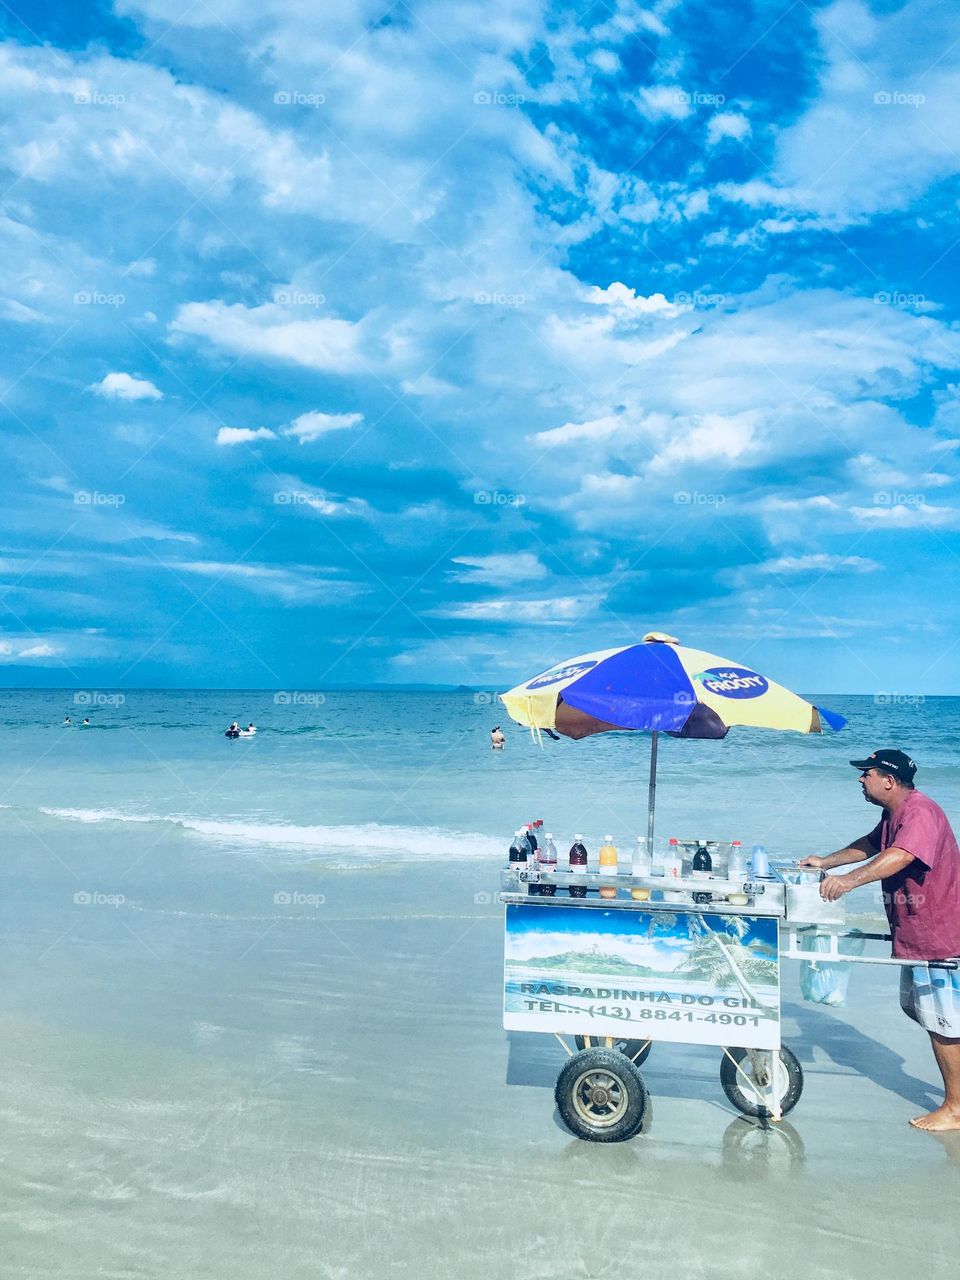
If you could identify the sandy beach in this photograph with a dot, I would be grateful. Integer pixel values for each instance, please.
(313, 1081)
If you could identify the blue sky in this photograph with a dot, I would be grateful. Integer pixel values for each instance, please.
(428, 342)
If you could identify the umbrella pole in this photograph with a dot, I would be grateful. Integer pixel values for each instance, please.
(652, 793)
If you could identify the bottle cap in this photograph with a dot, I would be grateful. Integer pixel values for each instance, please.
(577, 839)
(609, 839)
(549, 835)
(673, 840)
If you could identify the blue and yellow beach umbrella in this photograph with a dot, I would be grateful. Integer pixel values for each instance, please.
(660, 686)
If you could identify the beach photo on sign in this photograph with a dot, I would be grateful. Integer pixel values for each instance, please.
(678, 976)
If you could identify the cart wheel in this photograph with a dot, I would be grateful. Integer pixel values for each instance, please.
(601, 1096)
(737, 1076)
(636, 1050)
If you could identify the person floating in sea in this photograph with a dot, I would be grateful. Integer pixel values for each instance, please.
(86, 720)
(67, 720)
(497, 739)
(233, 731)
(249, 731)
(913, 850)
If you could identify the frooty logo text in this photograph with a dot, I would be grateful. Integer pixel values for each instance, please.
(733, 682)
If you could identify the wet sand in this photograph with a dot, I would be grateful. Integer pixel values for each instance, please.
(323, 1089)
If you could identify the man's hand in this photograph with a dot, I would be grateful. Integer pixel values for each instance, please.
(834, 887)
(811, 864)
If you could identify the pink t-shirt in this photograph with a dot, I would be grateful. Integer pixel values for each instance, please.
(922, 900)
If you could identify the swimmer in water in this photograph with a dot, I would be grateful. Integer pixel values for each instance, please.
(497, 739)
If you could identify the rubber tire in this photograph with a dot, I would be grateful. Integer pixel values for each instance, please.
(744, 1100)
(638, 1051)
(613, 1063)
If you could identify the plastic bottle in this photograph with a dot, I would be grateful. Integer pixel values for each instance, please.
(518, 849)
(701, 869)
(641, 867)
(760, 862)
(608, 864)
(548, 862)
(531, 838)
(673, 866)
(737, 863)
(578, 864)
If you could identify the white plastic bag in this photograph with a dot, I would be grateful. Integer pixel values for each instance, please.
(826, 981)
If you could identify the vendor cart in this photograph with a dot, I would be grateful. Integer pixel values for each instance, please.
(614, 975)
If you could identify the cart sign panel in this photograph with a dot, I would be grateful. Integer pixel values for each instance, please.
(682, 975)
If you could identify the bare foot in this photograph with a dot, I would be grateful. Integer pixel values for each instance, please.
(937, 1121)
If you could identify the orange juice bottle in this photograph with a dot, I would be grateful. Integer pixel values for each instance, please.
(608, 864)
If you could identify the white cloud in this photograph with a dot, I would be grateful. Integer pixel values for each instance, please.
(311, 426)
(727, 124)
(500, 570)
(664, 100)
(619, 295)
(124, 386)
(38, 651)
(574, 432)
(243, 435)
(268, 331)
(293, 584)
(545, 612)
(909, 515)
(818, 562)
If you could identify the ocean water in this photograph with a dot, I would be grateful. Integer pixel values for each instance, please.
(355, 777)
(251, 990)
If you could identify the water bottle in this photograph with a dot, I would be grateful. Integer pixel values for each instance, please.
(673, 867)
(578, 864)
(760, 862)
(737, 864)
(548, 862)
(641, 867)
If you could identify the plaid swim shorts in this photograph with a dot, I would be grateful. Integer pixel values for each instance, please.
(932, 998)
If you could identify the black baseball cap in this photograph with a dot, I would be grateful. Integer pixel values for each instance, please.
(889, 760)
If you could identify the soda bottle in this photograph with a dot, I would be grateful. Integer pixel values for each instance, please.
(578, 865)
(518, 849)
(641, 867)
(608, 864)
(548, 862)
(701, 868)
(531, 838)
